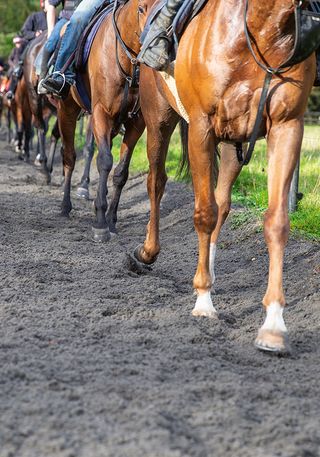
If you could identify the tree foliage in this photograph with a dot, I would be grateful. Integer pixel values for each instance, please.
(14, 13)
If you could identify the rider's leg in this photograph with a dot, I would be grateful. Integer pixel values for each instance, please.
(155, 49)
(47, 52)
(59, 82)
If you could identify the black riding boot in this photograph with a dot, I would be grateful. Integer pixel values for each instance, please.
(155, 49)
(43, 70)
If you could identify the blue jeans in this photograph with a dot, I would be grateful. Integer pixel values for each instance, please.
(54, 38)
(78, 22)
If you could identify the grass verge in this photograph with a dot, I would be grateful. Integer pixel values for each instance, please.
(250, 189)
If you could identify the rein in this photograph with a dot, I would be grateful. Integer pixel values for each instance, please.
(131, 81)
(270, 72)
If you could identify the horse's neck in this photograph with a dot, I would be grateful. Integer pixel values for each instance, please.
(128, 25)
(276, 17)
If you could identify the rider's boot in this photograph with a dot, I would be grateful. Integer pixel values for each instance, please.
(58, 84)
(43, 70)
(156, 47)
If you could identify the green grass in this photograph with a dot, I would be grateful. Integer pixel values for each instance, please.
(250, 190)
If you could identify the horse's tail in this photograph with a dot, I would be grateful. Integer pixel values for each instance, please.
(184, 167)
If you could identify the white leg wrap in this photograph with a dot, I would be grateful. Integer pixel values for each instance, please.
(212, 258)
(204, 306)
(274, 319)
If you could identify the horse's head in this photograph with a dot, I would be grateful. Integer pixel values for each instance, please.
(144, 8)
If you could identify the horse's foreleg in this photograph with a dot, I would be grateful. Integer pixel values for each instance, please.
(229, 169)
(284, 144)
(201, 150)
(102, 127)
(88, 152)
(134, 130)
(67, 115)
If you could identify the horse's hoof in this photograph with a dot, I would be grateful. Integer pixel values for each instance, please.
(209, 314)
(204, 307)
(272, 341)
(37, 163)
(139, 254)
(82, 192)
(65, 214)
(113, 234)
(100, 235)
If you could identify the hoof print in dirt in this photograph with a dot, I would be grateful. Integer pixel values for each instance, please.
(134, 266)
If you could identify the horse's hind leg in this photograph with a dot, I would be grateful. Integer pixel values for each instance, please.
(284, 144)
(88, 152)
(134, 130)
(67, 115)
(229, 169)
(158, 138)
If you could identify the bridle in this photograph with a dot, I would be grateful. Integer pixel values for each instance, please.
(131, 80)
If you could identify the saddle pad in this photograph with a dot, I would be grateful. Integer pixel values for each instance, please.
(87, 37)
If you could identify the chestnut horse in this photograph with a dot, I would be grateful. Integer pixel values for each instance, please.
(219, 86)
(108, 69)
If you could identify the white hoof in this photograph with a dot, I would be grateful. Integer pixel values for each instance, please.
(274, 320)
(204, 306)
(272, 336)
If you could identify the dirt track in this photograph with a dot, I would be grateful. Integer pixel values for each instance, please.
(98, 361)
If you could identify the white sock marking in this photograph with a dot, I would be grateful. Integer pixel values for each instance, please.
(274, 319)
(212, 258)
(204, 306)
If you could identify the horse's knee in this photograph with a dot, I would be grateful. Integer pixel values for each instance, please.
(205, 219)
(104, 161)
(276, 226)
(157, 183)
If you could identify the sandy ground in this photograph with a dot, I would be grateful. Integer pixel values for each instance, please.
(99, 361)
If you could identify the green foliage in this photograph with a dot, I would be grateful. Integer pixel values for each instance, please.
(12, 16)
(250, 189)
(6, 44)
(314, 100)
(14, 13)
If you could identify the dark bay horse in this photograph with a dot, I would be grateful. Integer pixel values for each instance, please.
(20, 109)
(41, 108)
(219, 84)
(112, 104)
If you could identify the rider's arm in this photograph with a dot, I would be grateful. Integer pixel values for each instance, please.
(28, 29)
(51, 16)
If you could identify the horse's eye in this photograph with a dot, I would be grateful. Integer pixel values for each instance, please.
(141, 10)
